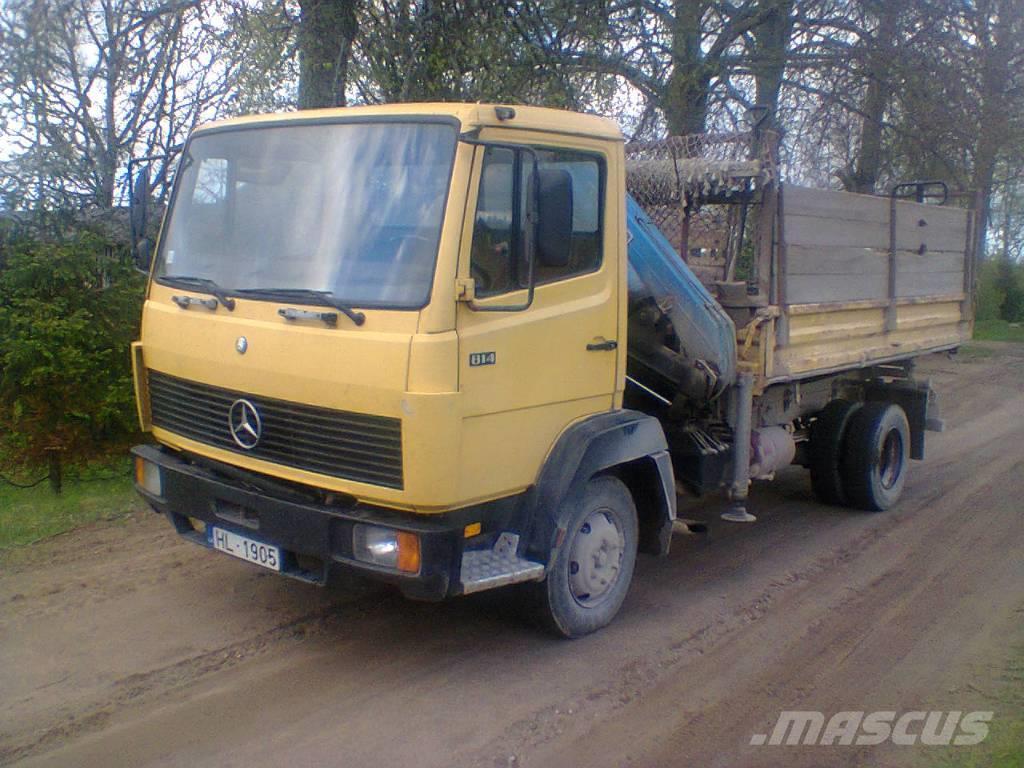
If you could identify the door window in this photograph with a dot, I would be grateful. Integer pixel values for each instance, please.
(498, 261)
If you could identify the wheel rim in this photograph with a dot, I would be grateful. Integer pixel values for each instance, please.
(595, 559)
(890, 463)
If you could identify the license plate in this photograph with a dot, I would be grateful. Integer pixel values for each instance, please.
(247, 549)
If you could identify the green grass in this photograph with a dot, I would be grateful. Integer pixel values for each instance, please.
(1004, 747)
(29, 515)
(998, 330)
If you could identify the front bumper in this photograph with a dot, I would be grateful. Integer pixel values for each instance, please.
(315, 539)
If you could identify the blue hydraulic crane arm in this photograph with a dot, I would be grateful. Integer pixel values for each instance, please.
(706, 333)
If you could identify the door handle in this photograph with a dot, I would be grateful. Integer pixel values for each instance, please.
(603, 346)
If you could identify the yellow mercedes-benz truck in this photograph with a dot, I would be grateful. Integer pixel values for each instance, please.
(441, 345)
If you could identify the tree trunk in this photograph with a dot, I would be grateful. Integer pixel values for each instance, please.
(876, 100)
(108, 154)
(55, 475)
(984, 174)
(771, 52)
(995, 52)
(685, 100)
(771, 47)
(1012, 309)
(326, 31)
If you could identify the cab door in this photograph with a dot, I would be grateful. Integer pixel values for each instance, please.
(527, 372)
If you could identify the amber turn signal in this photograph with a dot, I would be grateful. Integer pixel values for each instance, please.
(408, 552)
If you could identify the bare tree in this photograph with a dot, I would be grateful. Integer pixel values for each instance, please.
(457, 50)
(677, 53)
(85, 84)
(996, 27)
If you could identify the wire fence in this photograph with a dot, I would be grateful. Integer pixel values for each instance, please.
(691, 186)
(24, 486)
(683, 170)
(72, 477)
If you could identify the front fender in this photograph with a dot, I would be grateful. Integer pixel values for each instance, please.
(626, 442)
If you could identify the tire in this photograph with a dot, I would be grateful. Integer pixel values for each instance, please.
(876, 456)
(590, 573)
(828, 434)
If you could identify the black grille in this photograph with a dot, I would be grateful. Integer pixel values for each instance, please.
(353, 446)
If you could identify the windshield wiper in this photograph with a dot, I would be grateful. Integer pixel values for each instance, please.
(325, 297)
(202, 284)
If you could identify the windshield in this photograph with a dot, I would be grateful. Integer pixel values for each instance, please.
(353, 209)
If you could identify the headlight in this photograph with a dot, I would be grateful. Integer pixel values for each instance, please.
(147, 475)
(386, 547)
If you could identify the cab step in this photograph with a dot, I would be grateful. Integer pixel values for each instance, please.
(489, 568)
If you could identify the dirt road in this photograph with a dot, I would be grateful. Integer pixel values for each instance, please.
(121, 645)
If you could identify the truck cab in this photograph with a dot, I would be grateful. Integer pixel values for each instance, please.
(393, 340)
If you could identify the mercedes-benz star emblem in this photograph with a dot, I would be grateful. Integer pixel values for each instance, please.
(244, 423)
(241, 344)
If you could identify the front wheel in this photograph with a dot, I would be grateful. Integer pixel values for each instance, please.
(591, 571)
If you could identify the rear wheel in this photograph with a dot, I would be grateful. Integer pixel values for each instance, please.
(828, 433)
(591, 571)
(876, 456)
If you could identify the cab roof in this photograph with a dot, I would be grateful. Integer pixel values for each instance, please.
(470, 116)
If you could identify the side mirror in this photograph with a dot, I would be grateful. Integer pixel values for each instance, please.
(138, 220)
(554, 217)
